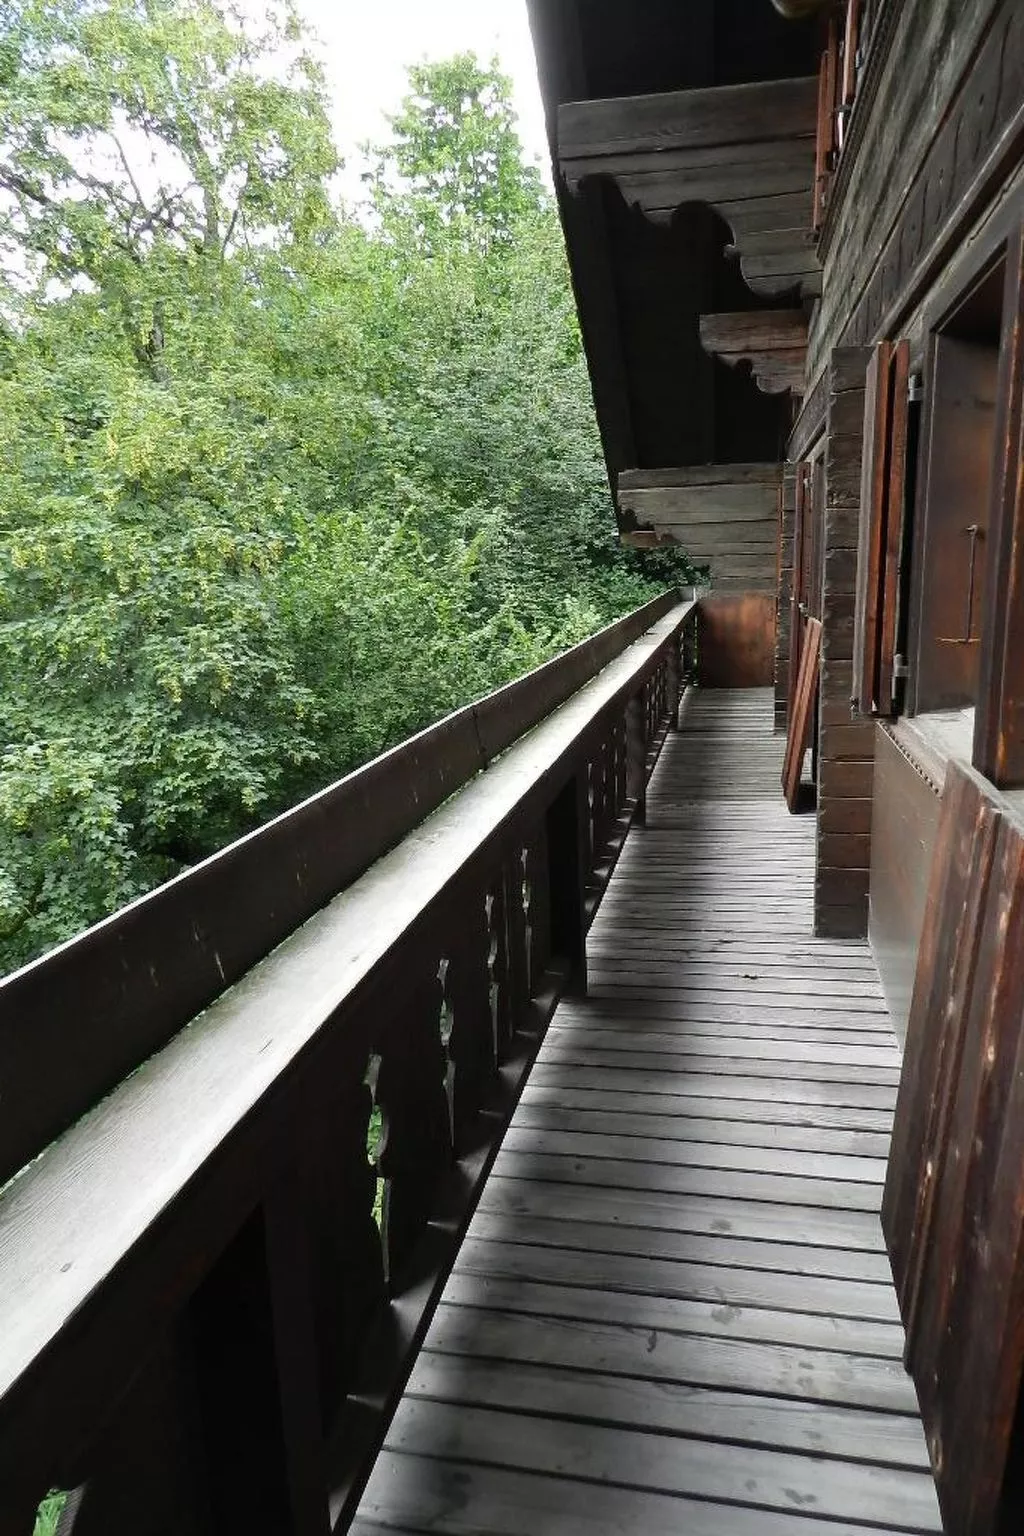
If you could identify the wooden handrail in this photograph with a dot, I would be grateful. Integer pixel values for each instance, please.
(74, 1023)
(195, 1303)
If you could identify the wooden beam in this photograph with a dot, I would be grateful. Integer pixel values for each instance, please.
(772, 341)
(722, 515)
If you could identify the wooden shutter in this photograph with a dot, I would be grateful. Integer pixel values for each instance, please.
(850, 40)
(798, 591)
(952, 1212)
(828, 85)
(999, 723)
(883, 478)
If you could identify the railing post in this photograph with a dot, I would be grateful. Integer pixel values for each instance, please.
(256, 1386)
(567, 842)
(673, 682)
(636, 755)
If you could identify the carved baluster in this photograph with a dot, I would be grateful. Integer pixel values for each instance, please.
(538, 905)
(250, 1328)
(518, 896)
(499, 967)
(621, 792)
(636, 756)
(593, 830)
(567, 879)
(607, 817)
(467, 986)
(338, 1194)
(413, 1093)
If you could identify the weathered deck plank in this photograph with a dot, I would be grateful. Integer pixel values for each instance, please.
(673, 1310)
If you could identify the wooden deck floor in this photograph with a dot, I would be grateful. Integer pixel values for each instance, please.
(673, 1314)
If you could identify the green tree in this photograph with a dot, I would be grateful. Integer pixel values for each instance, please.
(278, 485)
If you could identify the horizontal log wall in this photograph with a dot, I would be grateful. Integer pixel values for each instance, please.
(845, 746)
(936, 128)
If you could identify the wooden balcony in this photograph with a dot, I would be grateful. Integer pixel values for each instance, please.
(630, 1274)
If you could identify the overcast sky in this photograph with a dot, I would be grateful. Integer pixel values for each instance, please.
(367, 47)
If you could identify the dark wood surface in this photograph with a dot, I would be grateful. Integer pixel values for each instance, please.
(734, 639)
(946, 122)
(672, 1310)
(952, 1206)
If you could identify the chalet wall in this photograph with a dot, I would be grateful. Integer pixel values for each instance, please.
(845, 746)
(917, 152)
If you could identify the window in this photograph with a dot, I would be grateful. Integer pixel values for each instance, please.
(952, 539)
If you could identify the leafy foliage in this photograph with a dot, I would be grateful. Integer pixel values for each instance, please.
(278, 484)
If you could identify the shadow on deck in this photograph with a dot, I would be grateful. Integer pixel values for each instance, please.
(673, 1309)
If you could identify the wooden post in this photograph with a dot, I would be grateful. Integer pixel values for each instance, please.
(673, 684)
(636, 756)
(567, 879)
(258, 1475)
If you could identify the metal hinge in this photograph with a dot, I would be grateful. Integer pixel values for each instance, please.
(899, 666)
(915, 387)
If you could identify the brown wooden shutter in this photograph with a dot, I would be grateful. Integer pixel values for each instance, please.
(883, 478)
(999, 723)
(952, 1212)
(850, 40)
(828, 84)
(798, 590)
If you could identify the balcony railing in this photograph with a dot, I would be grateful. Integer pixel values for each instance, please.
(209, 1294)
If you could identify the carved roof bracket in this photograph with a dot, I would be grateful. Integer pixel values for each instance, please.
(747, 151)
(772, 341)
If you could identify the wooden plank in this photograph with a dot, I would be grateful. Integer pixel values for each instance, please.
(634, 1402)
(877, 405)
(465, 1499)
(811, 1295)
(704, 1215)
(691, 1360)
(736, 114)
(760, 1479)
(853, 1336)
